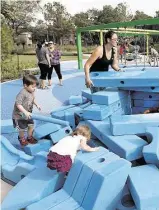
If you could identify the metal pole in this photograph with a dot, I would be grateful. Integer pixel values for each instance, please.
(147, 45)
(101, 37)
(79, 50)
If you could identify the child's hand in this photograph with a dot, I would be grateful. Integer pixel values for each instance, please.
(95, 149)
(28, 115)
(146, 111)
(38, 107)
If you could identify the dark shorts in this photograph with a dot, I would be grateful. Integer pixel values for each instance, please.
(22, 124)
(61, 163)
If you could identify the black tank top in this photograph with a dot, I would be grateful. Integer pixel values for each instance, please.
(102, 64)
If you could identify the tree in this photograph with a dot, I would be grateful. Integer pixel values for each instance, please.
(122, 13)
(157, 14)
(6, 39)
(19, 14)
(106, 15)
(139, 15)
(58, 20)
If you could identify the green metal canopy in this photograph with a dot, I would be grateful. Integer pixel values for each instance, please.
(119, 27)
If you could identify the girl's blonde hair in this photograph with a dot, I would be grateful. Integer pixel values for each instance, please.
(82, 130)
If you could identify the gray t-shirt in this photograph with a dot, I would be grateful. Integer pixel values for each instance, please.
(26, 99)
(41, 55)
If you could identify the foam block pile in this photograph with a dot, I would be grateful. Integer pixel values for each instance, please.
(128, 138)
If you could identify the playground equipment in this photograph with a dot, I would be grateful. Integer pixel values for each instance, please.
(122, 28)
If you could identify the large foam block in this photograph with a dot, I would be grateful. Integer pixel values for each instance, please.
(143, 184)
(37, 185)
(84, 105)
(145, 103)
(7, 127)
(18, 172)
(44, 130)
(67, 115)
(125, 79)
(145, 96)
(108, 97)
(62, 108)
(78, 117)
(15, 163)
(41, 145)
(127, 146)
(55, 199)
(56, 136)
(106, 185)
(151, 151)
(133, 124)
(75, 99)
(100, 112)
(144, 89)
(87, 94)
(84, 181)
(126, 202)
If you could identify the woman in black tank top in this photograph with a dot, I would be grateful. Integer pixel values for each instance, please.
(102, 57)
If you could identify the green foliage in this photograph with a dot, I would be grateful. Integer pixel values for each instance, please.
(19, 14)
(139, 15)
(59, 21)
(6, 41)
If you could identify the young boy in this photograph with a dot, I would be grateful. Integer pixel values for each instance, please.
(23, 108)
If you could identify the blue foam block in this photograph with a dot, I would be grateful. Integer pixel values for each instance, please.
(127, 146)
(143, 184)
(44, 130)
(69, 116)
(105, 188)
(75, 99)
(78, 117)
(133, 124)
(41, 145)
(100, 112)
(125, 79)
(16, 164)
(146, 103)
(145, 96)
(70, 183)
(108, 97)
(151, 151)
(144, 89)
(84, 105)
(126, 202)
(37, 185)
(7, 127)
(62, 108)
(83, 182)
(56, 136)
(87, 94)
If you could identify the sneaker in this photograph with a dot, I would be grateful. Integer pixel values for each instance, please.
(23, 141)
(31, 140)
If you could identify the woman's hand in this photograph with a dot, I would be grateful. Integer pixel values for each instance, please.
(89, 83)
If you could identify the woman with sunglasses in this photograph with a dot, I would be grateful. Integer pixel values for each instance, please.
(103, 57)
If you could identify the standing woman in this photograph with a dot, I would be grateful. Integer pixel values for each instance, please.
(103, 57)
(43, 62)
(55, 56)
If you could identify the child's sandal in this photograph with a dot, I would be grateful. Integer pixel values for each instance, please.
(23, 141)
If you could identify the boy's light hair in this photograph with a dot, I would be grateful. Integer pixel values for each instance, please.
(82, 130)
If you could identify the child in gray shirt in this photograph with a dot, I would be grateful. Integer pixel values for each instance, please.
(23, 108)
